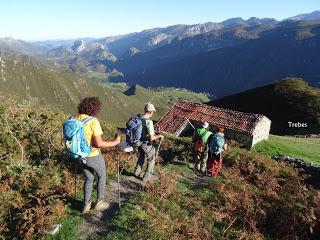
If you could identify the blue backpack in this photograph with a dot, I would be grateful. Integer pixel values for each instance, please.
(216, 144)
(74, 138)
(134, 130)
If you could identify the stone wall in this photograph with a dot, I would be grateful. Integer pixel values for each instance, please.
(310, 170)
(261, 131)
(244, 139)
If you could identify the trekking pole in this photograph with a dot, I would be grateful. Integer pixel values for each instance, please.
(220, 161)
(75, 179)
(118, 169)
(157, 152)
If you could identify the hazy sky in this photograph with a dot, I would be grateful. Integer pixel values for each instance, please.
(48, 19)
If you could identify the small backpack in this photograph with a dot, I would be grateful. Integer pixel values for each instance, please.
(216, 144)
(199, 144)
(134, 130)
(74, 138)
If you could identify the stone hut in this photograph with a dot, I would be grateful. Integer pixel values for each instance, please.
(246, 128)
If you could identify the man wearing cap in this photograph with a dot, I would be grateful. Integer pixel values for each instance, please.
(200, 140)
(146, 149)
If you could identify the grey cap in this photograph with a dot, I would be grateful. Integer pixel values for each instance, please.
(205, 125)
(149, 108)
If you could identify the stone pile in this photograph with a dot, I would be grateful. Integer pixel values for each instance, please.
(310, 169)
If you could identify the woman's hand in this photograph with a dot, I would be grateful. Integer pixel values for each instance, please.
(100, 143)
(117, 139)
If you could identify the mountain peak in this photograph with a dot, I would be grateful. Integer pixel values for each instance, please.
(307, 16)
(232, 21)
(78, 46)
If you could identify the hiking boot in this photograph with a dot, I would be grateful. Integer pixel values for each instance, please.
(86, 208)
(137, 173)
(146, 177)
(101, 205)
(196, 168)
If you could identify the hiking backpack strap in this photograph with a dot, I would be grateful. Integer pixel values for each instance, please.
(86, 120)
(204, 133)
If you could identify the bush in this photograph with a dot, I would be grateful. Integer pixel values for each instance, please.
(174, 148)
(255, 198)
(270, 197)
(33, 182)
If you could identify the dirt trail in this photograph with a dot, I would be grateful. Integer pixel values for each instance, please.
(98, 224)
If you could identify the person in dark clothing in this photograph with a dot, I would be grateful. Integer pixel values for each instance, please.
(146, 149)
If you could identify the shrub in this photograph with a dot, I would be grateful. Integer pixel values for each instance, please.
(174, 148)
(33, 184)
(255, 198)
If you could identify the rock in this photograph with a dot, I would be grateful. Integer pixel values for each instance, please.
(310, 169)
(157, 39)
(78, 46)
(133, 51)
(53, 229)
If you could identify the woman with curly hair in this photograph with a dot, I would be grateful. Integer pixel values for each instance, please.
(90, 106)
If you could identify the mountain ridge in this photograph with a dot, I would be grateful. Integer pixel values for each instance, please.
(289, 50)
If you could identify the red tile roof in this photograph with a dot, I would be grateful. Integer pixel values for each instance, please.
(175, 119)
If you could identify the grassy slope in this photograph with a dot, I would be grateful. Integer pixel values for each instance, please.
(242, 203)
(170, 95)
(305, 148)
(252, 191)
(289, 100)
(64, 91)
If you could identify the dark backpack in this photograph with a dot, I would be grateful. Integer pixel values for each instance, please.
(216, 144)
(134, 130)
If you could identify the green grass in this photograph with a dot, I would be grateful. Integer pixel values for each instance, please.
(98, 76)
(69, 225)
(120, 87)
(181, 206)
(305, 148)
(171, 95)
(68, 229)
(172, 209)
(65, 90)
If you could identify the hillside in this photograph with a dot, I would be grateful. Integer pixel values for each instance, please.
(289, 100)
(37, 190)
(307, 149)
(307, 16)
(26, 77)
(157, 37)
(254, 198)
(82, 55)
(64, 90)
(179, 48)
(288, 50)
(153, 38)
(22, 47)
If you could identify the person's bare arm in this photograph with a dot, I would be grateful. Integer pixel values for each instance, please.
(225, 147)
(156, 137)
(100, 143)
